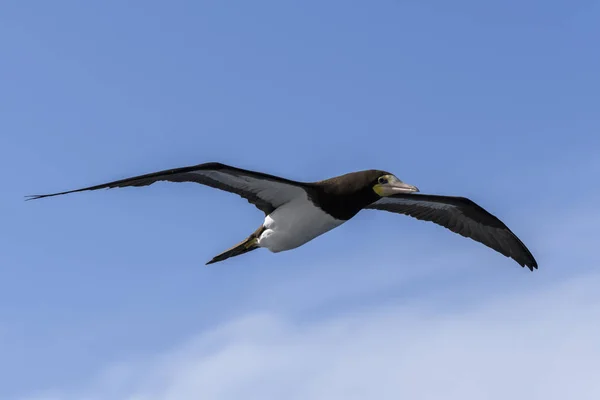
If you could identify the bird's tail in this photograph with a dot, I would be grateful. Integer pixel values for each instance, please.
(248, 244)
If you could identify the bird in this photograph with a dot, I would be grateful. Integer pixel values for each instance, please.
(297, 212)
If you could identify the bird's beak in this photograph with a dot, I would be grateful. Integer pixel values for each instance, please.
(401, 187)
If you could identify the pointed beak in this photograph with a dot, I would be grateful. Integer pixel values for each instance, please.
(401, 187)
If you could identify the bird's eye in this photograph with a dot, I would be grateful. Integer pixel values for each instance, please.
(382, 180)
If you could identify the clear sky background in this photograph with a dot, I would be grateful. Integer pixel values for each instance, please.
(104, 295)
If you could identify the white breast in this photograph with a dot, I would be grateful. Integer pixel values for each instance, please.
(294, 224)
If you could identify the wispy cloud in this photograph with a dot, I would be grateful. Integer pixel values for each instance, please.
(534, 345)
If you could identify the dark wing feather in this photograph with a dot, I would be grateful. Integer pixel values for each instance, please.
(266, 192)
(461, 216)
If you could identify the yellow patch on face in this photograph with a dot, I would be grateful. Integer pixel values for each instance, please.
(379, 188)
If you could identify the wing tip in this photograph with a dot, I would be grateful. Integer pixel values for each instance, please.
(42, 196)
(531, 264)
(35, 196)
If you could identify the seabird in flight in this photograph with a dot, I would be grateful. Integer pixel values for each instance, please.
(297, 212)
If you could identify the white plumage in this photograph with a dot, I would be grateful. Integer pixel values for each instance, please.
(294, 224)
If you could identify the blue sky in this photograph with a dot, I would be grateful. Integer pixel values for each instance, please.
(104, 295)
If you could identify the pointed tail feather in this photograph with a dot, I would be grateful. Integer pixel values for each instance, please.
(245, 246)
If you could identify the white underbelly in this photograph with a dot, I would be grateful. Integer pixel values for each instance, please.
(294, 224)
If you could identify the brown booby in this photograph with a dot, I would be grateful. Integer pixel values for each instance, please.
(297, 212)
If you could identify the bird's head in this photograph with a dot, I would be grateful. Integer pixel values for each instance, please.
(387, 184)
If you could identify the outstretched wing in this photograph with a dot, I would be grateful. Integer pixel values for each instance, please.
(266, 192)
(461, 216)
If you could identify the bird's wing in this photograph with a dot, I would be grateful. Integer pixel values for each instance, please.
(461, 216)
(266, 192)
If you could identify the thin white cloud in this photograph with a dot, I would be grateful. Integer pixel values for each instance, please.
(541, 345)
